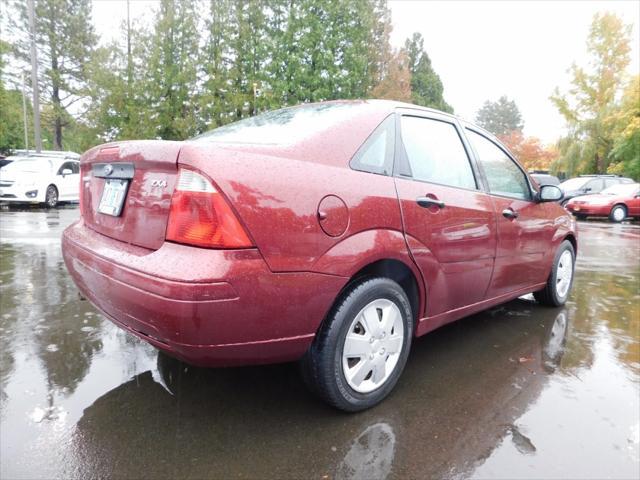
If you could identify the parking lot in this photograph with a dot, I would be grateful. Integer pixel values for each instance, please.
(517, 391)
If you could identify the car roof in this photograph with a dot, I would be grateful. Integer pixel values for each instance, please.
(47, 154)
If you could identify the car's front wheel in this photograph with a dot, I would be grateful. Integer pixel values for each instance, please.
(361, 350)
(560, 280)
(618, 213)
(51, 196)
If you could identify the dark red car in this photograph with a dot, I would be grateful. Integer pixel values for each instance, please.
(329, 233)
(617, 203)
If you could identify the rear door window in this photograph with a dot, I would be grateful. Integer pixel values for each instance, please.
(435, 152)
(376, 154)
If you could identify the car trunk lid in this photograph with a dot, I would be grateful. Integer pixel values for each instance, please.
(144, 174)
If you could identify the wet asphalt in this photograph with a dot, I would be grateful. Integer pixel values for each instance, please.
(520, 391)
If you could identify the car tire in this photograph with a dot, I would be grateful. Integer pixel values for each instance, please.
(558, 287)
(618, 213)
(375, 309)
(51, 196)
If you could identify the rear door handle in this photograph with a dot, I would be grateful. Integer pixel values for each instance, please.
(509, 213)
(427, 202)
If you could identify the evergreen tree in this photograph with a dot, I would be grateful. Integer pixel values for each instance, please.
(501, 117)
(65, 39)
(171, 84)
(426, 86)
(216, 61)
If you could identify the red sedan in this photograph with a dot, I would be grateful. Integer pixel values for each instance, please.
(617, 203)
(329, 233)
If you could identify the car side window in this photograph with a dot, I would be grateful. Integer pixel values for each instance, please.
(65, 166)
(376, 153)
(75, 167)
(594, 186)
(609, 182)
(435, 152)
(503, 175)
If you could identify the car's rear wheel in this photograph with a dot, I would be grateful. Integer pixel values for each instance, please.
(361, 350)
(556, 291)
(618, 213)
(51, 196)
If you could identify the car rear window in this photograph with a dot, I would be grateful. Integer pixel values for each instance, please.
(284, 126)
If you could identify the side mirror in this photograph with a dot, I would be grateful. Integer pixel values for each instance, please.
(550, 193)
(586, 189)
(66, 171)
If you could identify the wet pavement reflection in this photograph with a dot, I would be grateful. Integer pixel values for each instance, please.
(520, 391)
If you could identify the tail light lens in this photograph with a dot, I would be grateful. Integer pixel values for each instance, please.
(200, 216)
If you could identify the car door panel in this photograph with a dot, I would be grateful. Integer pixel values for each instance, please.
(450, 230)
(524, 226)
(522, 246)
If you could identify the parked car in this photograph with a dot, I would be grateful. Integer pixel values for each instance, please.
(315, 233)
(589, 184)
(617, 202)
(40, 179)
(545, 179)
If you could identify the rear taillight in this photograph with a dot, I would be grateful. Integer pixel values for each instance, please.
(201, 216)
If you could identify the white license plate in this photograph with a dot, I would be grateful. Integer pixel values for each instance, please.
(113, 195)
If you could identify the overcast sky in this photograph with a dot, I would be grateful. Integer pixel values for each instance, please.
(481, 49)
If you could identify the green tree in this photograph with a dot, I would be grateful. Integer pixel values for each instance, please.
(588, 105)
(171, 83)
(119, 107)
(65, 38)
(216, 60)
(426, 87)
(625, 154)
(501, 117)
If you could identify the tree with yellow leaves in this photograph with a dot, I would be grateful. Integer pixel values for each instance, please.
(589, 103)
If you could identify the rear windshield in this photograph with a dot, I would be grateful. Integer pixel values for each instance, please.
(574, 183)
(284, 126)
(31, 166)
(622, 189)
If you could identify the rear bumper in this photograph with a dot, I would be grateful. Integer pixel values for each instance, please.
(206, 307)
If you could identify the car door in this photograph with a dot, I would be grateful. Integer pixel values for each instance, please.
(524, 226)
(634, 203)
(594, 186)
(449, 221)
(65, 182)
(74, 180)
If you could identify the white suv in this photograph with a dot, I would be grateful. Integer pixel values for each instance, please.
(40, 179)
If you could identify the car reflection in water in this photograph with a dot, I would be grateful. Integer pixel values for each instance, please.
(181, 420)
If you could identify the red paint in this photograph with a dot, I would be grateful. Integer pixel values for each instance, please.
(315, 223)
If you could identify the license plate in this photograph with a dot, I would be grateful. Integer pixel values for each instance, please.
(113, 195)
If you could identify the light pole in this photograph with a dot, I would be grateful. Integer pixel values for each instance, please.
(24, 112)
(34, 76)
(255, 96)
